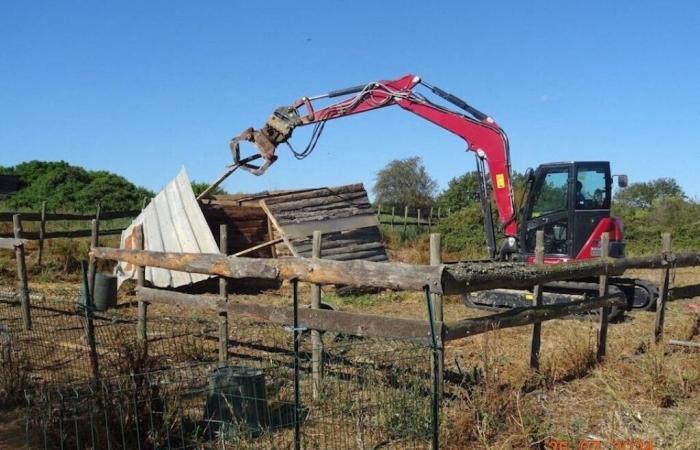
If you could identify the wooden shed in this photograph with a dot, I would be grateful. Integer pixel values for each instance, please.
(270, 224)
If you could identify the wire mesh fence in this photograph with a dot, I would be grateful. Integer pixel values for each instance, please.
(373, 392)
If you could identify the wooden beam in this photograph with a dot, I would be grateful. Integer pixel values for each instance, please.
(11, 243)
(448, 279)
(461, 278)
(396, 276)
(36, 216)
(367, 325)
(695, 345)
(258, 247)
(526, 316)
(34, 235)
(277, 227)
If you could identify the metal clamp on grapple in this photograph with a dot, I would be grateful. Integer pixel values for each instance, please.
(277, 130)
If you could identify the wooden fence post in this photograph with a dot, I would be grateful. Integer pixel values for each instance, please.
(430, 220)
(379, 213)
(393, 211)
(537, 297)
(605, 310)
(418, 222)
(437, 303)
(94, 242)
(22, 282)
(405, 219)
(439, 216)
(663, 290)
(90, 323)
(223, 292)
(316, 342)
(42, 231)
(141, 327)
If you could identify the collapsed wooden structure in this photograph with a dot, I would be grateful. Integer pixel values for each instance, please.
(281, 223)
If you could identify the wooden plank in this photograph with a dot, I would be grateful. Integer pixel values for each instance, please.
(354, 199)
(172, 217)
(259, 247)
(273, 199)
(282, 233)
(36, 216)
(319, 319)
(526, 316)
(396, 276)
(11, 243)
(153, 240)
(34, 235)
(300, 230)
(689, 344)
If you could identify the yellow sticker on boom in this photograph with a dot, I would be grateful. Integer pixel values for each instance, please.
(500, 181)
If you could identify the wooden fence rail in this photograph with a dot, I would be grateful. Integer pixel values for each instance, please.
(457, 278)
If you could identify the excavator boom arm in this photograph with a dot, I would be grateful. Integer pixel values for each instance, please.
(481, 134)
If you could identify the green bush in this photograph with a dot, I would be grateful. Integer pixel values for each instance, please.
(71, 188)
(463, 232)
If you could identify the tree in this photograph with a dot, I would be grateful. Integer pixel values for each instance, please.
(71, 188)
(405, 182)
(643, 195)
(462, 191)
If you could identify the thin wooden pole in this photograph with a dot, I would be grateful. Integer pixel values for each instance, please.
(142, 324)
(439, 216)
(42, 231)
(22, 281)
(223, 292)
(437, 304)
(90, 324)
(316, 342)
(663, 290)
(379, 213)
(405, 219)
(94, 242)
(537, 297)
(430, 220)
(603, 291)
(418, 222)
(393, 211)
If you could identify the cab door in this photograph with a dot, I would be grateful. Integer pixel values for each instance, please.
(591, 199)
(549, 209)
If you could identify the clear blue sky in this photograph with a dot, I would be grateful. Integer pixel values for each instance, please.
(143, 88)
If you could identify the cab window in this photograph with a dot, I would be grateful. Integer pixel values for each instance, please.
(552, 195)
(591, 189)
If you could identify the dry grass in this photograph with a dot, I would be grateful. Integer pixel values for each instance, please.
(641, 391)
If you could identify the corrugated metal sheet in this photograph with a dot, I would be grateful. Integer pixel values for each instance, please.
(172, 222)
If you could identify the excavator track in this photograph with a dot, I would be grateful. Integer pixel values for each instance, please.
(640, 294)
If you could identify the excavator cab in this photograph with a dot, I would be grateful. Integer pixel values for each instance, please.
(570, 202)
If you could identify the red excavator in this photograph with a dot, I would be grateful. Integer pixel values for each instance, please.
(569, 201)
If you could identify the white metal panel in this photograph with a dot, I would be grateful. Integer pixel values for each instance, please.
(172, 222)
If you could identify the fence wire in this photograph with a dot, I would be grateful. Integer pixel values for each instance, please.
(373, 392)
